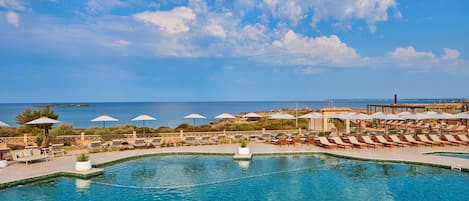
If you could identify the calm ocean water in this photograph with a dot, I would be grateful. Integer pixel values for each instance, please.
(172, 113)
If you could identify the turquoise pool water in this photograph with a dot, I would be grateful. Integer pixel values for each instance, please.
(465, 156)
(314, 177)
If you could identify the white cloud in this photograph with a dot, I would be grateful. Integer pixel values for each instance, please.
(99, 6)
(450, 54)
(13, 18)
(172, 22)
(215, 30)
(409, 56)
(324, 50)
(344, 11)
(310, 70)
(120, 43)
(15, 5)
(282, 9)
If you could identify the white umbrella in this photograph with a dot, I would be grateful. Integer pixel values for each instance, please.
(43, 120)
(281, 116)
(442, 115)
(144, 118)
(416, 116)
(404, 113)
(194, 116)
(379, 115)
(341, 115)
(104, 118)
(312, 115)
(225, 116)
(3, 124)
(252, 115)
(359, 116)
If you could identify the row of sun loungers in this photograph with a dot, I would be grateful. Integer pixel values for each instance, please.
(422, 125)
(393, 141)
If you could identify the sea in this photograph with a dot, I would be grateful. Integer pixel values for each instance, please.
(172, 113)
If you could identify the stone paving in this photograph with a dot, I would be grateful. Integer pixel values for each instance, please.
(19, 171)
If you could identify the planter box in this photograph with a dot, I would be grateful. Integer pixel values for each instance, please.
(244, 151)
(3, 163)
(83, 166)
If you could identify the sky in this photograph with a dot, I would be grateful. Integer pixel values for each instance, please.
(226, 50)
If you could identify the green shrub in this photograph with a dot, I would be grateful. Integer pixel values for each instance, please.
(82, 158)
(62, 129)
(38, 139)
(243, 142)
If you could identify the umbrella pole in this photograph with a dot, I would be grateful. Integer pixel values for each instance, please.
(143, 127)
(193, 125)
(104, 124)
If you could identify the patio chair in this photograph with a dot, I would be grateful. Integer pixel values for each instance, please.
(95, 146)
(381, 139)
(437, 139)
(424, 138)
(156, 141)
(412, 140)
(450, 138)
(323, 142)
(460, 128)
(205, 140)
(353, 140)
(117, 143)
(139, 143)
(57, 149)
(463, 138)
(396, 139)
(190, 140)
(368, 140)
(340, 142)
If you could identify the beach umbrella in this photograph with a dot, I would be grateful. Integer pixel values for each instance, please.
(224, 116)
(194, 116)
(359, 116)
(281, 116)
(43, 121)
(416, 116)
(463, 115)
(313, 115)
(403, 113)
(341, 115)
(144, 118)
(104, 118)
(3, 124)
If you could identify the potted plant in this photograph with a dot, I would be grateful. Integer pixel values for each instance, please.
(243, 149)
(83, 163)
(3, 162)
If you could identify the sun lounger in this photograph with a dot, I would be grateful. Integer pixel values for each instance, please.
(383, 140)
(117, 143)
(29, 155)
(437, 139)
(139, 143)
(451, 138)
(412, 140)
(355, 142)
(264, 137)
(396, 139)
(340, 142)
(156, 141)
(424, 138)
(368, 140)
(190, 140)
(220, 139)
(57, 149)
(463, 138)
(323, 142)
(95, 146)
(205, 140)
(460, 128)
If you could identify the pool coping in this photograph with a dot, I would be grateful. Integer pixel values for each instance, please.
(98, 168)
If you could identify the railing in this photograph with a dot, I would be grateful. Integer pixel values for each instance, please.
(85, 139)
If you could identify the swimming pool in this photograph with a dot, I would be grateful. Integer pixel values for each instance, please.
(454, 155)
(299, 177)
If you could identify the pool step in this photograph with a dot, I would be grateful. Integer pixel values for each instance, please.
(242, 156)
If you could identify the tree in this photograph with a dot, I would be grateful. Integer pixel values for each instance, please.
(31, 114)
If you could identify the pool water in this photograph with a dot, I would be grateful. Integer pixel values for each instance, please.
(454, 155)
(315, 177)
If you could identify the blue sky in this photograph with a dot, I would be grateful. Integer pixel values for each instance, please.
(223, 50)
